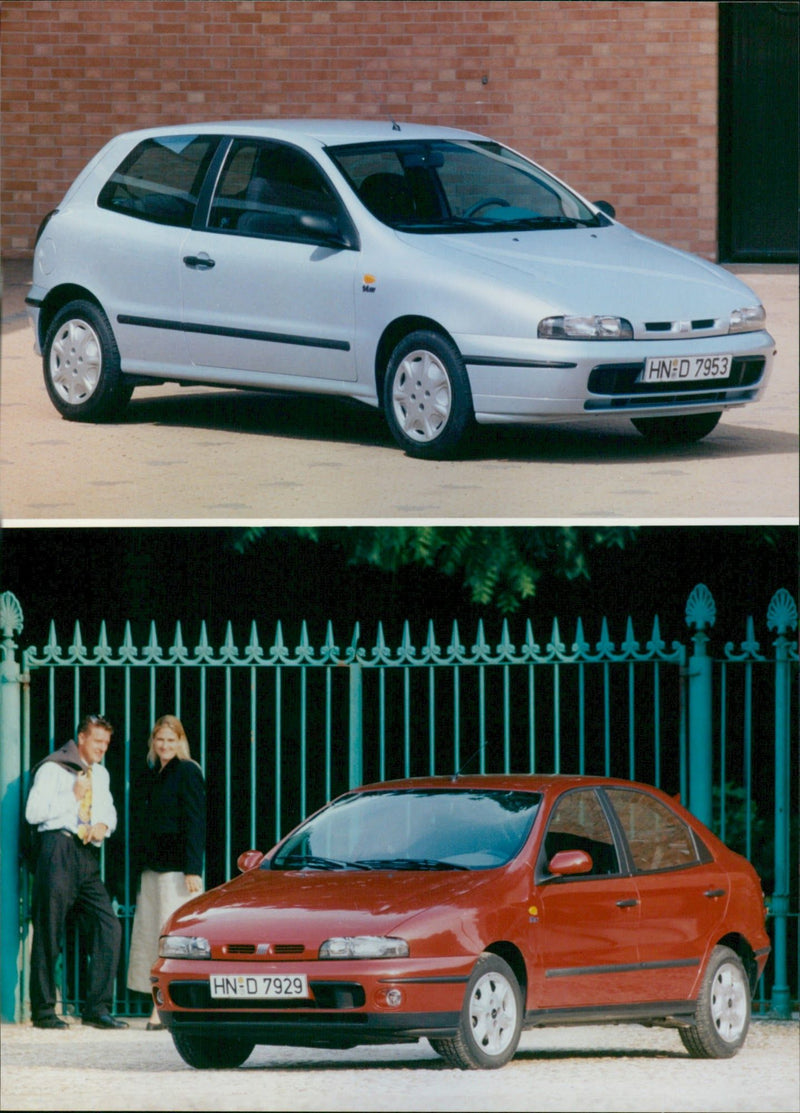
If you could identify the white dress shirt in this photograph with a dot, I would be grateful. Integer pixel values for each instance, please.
(52, 804)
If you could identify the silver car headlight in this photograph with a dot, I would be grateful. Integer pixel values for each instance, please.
(750, 319)
(184, 946)
(585, 328)
(364, 946)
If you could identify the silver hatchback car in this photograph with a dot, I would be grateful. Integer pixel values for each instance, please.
(428, 271)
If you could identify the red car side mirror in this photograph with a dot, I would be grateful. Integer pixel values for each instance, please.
(249, 859)
(567, 862)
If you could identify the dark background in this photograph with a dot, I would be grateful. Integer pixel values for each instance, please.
(166, 574)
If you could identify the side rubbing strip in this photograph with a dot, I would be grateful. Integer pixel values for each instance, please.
(623, 968)
(501, 361)
(235, 333)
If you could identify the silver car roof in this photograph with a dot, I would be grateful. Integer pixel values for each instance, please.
(323, 131)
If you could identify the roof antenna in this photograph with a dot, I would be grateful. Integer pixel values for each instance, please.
(395, 125)
(469, 760)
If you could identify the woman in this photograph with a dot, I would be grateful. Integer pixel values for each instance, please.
(168, 837)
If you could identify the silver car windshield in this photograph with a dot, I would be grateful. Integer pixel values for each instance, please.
(412, 829)
(458, 186)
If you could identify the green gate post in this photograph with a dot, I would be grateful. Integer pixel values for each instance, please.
(701, 611)
(782, 617)
(355, 770)
(10, 794)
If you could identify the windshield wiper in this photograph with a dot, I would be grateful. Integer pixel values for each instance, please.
(443, 224)
(315, 862)
(409, 864)
(552, 222)
(495, 224)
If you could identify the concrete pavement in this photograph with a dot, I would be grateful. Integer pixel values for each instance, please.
(204, 455)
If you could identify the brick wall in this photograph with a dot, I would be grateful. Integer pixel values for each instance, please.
(620, 99)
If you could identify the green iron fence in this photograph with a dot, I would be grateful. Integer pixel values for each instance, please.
(278, 731)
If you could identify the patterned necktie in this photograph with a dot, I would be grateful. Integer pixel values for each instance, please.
(85, 806)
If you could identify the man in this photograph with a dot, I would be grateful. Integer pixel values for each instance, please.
(70, 803)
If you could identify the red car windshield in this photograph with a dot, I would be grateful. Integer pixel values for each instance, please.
(413, 829)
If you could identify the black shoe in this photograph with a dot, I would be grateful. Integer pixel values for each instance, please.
(104, 1021)
(50, 1022)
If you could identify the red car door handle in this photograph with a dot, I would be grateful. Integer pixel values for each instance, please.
(714, 893)
(627, 903)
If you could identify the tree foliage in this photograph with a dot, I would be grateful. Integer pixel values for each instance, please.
(498, 566)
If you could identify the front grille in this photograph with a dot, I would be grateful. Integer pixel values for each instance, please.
(326, 995)
(679, 328)
(617, 379)
(263, 950)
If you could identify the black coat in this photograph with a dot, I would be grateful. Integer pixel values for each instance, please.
(168, 818)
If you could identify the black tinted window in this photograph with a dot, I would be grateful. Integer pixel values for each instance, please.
(160, 179)
(265, 188)
(578, 822)
(657, 838)
(457, 186)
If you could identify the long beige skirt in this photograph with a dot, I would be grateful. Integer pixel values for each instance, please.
(158, 897)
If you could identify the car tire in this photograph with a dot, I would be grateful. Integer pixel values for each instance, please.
(684, 429)
(82, 365)
(427, 397)
(723, 1009)
(211, 1052)
(491, 1019)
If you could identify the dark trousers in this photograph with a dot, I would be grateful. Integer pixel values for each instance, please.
(68, 878)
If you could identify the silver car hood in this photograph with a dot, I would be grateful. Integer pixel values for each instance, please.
(593, 271)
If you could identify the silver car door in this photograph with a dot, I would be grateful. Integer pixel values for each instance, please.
(265, 292)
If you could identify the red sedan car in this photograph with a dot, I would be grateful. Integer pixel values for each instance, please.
(464, 909)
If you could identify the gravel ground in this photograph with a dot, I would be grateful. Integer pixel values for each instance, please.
(573, 1069)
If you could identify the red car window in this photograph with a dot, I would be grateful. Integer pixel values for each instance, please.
(578, 822)
(657, 838)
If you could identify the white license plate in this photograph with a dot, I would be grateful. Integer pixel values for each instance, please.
(241, 986)
(687, 369)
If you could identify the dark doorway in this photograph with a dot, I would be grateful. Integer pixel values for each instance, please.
(758, 132)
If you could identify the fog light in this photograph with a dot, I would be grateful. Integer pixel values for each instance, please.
(159, 997)
(390, 998)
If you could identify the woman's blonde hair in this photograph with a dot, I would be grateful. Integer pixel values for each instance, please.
(173, 723)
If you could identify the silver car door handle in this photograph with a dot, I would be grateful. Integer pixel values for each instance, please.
(714, 893)
(199, 262)
(631, 903)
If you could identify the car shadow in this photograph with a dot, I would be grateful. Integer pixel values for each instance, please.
(614, 443)
(160, 1057)
(278, 414)
(343, 420)
(436, 1064)
(556, 1053)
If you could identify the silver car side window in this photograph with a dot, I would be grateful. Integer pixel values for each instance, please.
(160, 179)
(265, 187)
